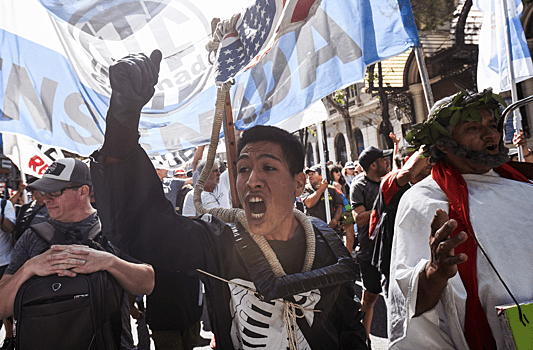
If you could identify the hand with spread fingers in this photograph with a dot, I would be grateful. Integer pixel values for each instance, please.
(443, 260)
(443, 263)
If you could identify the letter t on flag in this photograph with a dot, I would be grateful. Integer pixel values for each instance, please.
(493, 67)
(256, 31)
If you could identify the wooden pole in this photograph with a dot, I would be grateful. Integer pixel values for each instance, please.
(231, 150)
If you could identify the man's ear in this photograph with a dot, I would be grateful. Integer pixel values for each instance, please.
(300, 184)
(85, 190)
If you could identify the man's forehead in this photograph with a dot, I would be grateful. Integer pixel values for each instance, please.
(262, 149)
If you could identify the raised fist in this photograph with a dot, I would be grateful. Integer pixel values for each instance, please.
(134, 77)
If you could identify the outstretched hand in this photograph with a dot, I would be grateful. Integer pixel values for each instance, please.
(443, 264)
(134, 76)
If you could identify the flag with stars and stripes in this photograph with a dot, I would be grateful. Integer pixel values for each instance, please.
(257, 30)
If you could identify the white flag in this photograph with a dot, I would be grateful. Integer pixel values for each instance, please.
(31, 157)
(493, 68)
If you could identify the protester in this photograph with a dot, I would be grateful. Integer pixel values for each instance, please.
(412, 167)
(337, 180)
(248, 310)
(314, 198)
(180, 174)
(349, 173)
(7, 225)
(18, 197)
(175, 189)
(216, 192)
(346, 221)
(519, 140)
(65, 187)
(396, 140)
(31, 213)
(471, 210)
(363, 193)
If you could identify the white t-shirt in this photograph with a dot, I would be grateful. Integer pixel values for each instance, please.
(220, 197)
(6, 240)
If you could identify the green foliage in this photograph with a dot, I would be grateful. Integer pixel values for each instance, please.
(339, 96)
(431, 14)
(464, 107)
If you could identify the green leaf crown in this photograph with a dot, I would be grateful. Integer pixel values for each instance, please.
(465, 107)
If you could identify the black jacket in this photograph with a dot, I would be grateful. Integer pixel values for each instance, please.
(137, 217)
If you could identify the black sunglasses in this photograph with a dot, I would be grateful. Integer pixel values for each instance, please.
(60, 192)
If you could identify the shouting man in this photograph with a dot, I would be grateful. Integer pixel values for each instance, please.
(471, 213)
(251, 304)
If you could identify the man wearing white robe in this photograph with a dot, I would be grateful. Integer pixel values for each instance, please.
(427, 298)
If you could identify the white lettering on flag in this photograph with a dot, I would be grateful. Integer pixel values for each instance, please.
(54, 59)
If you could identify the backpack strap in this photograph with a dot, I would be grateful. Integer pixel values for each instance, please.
(4, 202)
(48, 233)
(95, 230)
(24, 219)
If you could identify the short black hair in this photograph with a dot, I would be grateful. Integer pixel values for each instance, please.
(291, 146)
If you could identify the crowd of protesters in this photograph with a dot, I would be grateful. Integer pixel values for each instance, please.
(421, 225)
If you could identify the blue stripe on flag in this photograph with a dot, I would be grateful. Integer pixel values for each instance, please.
(36, 81)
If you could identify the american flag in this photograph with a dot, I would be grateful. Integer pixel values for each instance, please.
(258, 28)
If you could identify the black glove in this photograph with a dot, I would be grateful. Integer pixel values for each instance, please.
(132, 82)
(133, 79)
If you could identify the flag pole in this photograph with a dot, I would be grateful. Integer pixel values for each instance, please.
(424, 76)
(320, 136)
(231, 150)
(517, 118)
(22, 176)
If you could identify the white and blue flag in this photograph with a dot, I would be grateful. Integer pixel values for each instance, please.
(493, 65)
(55, 54)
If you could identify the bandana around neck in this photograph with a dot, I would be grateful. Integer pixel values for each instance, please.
(477, 330)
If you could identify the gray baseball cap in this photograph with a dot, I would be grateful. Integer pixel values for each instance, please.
(63, 173)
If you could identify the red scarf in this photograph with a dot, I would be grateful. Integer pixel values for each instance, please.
(477, 330)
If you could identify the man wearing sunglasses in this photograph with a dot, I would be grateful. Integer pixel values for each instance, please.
(66, 187)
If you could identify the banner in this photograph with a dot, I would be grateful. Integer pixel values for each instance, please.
(493, 65)
(29, 156)
(55, 55)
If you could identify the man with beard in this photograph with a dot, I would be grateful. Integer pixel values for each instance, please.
(266, 282)
(216, 192)
(472, 210)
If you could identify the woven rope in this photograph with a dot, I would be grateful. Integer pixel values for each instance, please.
(223, 28)
(290, 315)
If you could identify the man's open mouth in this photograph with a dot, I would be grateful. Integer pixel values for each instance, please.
(492, 147)
(257, 207)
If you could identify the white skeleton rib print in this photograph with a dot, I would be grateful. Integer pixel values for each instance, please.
(260, 324)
